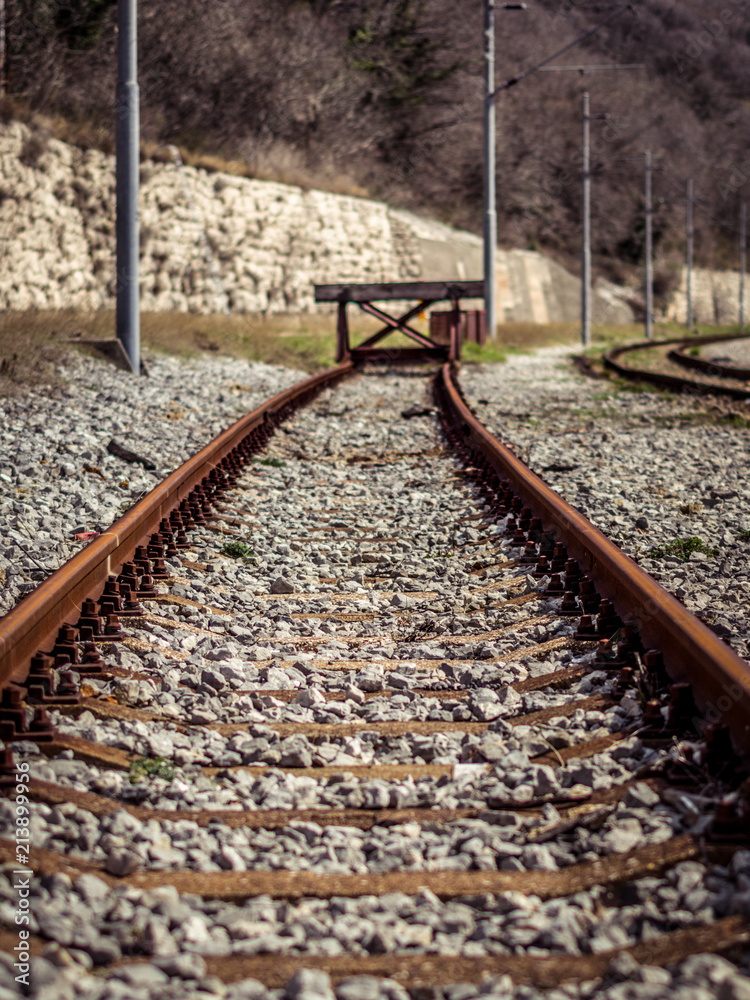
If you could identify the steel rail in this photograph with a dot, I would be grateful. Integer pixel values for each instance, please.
(674, 382)
(691, 651)
(721, 680)
(710, 367)
(33, 623)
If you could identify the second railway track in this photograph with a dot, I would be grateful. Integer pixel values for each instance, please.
(694, 366)
(406, 765)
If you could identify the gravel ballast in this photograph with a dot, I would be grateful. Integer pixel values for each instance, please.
(647, 467)
(369, 595)
(57, 478)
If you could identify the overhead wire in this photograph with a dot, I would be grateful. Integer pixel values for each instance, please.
(512, 81)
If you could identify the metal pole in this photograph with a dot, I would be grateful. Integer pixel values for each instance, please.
(689, 245)
(743, 244)
(649, 261)
(127, 132)
(6, 28)
(3, 51)
(586, 225)
(490, 208)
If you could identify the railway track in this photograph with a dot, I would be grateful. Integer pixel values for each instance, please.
(377, 713)
(686, 365)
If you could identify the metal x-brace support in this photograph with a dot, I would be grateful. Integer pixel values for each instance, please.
(400, 324)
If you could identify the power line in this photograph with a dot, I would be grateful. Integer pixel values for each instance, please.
(590, 69)
(566, 48)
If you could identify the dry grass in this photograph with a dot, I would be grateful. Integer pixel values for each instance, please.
(268, 168)
(278, 165)
(298, 341)
(83, 133)
(30, 352)
(281, 165)
(32, 344)
(526, 336)
(14, 109)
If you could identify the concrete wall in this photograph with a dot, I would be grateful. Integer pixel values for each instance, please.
(715, 297)
(215, 242)
(530, 287)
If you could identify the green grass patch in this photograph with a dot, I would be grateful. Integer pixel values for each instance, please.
(489, 353)
(634, 385)
(237, 550)
(519, 338)
(683, 548)
(148, 768)
(275, 463)
(606, 337)
(733, 420)
(34, 343)
(744, 536)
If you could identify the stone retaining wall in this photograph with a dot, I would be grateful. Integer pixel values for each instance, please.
(715, 297)
(216, 242)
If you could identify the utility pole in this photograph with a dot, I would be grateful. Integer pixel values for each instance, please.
(649, 251)
(587, 118)
(689, 251)
(743, 244)
(3, 50)
(490, 168)
(490, 206)
(586, 226)
(127, 135)
(490, 210)
(586, 219)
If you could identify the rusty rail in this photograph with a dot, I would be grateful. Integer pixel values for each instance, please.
(32, 625)
(691, 651)
(720, 679)
(710, 367)
(675, 382)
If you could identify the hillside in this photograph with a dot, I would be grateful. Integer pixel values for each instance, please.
(384, 97)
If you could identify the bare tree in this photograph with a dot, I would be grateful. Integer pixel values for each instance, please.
(388, 92)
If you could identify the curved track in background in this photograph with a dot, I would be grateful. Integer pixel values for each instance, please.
(670, 380)
(715, 368)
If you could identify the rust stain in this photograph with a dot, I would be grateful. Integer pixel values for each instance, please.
(238, 886)
(415, 970)
(272, 819)
(218, 530)
(333, 730)
(176, 624)
(187, 603)
(690, 649)
(452, 640)
(106, 756)
(428, 971)
(142, 646)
